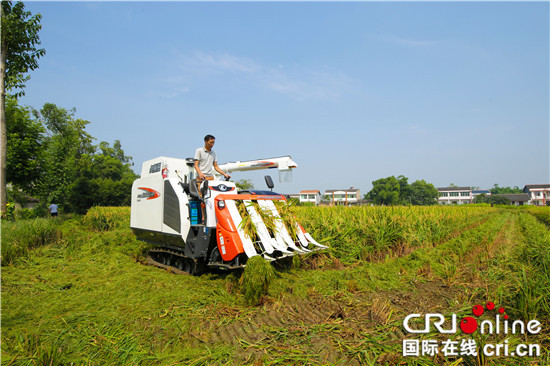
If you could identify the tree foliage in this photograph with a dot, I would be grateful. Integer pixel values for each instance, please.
(66, 144)
(244, 184)
(52, 155)
(18, 55)
(505, 190)
(25, 148)
(423, 193)
(54, 158)
(396, 191)
(104, 179)
(385, 191)
(19, 44)
(492, 199)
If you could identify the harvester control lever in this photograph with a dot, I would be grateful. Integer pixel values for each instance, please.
(194, 190)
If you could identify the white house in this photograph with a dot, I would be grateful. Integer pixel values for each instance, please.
(310, 196)
(455, 195)
(539, 194)
(350, 196)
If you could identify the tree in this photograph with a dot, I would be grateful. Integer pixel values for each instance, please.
(25, 147)
(492, 199)
(395, 191)
(244, 184)
(499, 200)
(480, 198)
(385, 191)
(67, 143)
(505, 190)
(103, 178)
(404, 189)
(18, 55)
(422, 193)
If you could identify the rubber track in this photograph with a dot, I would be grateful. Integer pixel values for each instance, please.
(176, 253)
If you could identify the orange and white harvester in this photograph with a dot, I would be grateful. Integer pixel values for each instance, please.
(168, 208)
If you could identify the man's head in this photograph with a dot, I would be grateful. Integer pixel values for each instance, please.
(209, 141)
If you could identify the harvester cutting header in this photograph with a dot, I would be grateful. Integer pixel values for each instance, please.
(168, 208)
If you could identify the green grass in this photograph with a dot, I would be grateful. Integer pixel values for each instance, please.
(19, 237)
(79, 292)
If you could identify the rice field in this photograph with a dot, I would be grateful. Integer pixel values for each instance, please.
(76, 290)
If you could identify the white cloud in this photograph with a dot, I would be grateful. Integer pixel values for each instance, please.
(202, 62)
(296, 83)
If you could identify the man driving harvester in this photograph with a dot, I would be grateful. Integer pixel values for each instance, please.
(206, 162)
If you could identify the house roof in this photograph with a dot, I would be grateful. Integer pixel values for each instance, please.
(314, 191)
(535, 186)
(454, 189)
(341, 190)
(515, 196)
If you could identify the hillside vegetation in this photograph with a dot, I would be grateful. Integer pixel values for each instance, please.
(76, 290)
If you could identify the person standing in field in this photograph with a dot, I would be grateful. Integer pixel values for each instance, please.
(206, 162)
(53, 210)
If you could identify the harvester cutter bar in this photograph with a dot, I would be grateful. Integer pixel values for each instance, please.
(304, 238)
(267, 242)
(248, 245)
(273, 243)
(281, 234)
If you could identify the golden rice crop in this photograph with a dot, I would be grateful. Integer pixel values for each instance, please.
(354, 231)
(107, 218)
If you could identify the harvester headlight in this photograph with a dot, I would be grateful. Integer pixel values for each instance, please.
(221, 204)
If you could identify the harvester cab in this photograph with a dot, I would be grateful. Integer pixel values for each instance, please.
(212, 224)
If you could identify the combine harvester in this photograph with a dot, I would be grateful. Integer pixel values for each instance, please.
(167, 210)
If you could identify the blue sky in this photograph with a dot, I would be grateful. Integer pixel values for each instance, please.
(356, 91)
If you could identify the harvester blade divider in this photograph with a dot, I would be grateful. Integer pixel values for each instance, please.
(268, 258)
(248, 245)
(301, 238)
(261, 229)
(314, 242)
(281, 229)
(277, 242)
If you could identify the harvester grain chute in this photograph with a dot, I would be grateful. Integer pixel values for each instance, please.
(168, 208)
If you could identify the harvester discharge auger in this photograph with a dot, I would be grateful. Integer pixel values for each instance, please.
(213, 224)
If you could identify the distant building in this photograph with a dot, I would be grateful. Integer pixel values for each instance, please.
(310, 196)
(455, 195)
(516, 199)
(539, 194)
(350, 196)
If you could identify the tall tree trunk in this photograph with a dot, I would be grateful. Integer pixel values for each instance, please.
(3, 134)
